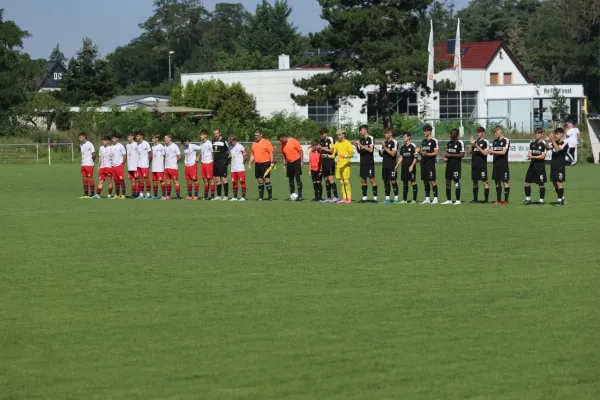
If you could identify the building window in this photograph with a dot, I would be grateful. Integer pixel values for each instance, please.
(449, 105)
(508, 78)
(494, 78)
(501, 54)
(321, 111)
(401, 103)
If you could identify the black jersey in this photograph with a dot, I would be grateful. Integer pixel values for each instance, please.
(537, 149)
(408, 152)
(220, 149)
(455, 147)
(327, 143)
(366, 158)
(499, 145)
(428, 146)
(389, 161)
(559, 157)
(479, 158)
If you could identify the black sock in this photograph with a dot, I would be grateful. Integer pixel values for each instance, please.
(315, 190)
(506, 193)
(291, 185)
(542, 193)
(498, 193)
(475, 193)
(527, 191)
(269, 189)
(374, 190)
(435, 191)
(561, 194)
(364, 191)
(219, 189)
(449, 193)
(334, 189)
(299, 184)
(261, 190)
(226, 189)
(457, 190)
(388, 188)
(405, 191)
(415, 191)
(486, 193)
(427, 189)
(328, 189)
(395, 187)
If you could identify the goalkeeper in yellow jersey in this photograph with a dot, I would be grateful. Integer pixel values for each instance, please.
(344, 150)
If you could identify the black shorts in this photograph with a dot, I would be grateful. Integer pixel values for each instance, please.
(408, 176)
(294, 170)
(367, 171)
(388, 174)
(479, 173)
(500, 173)
(220, 169)
(328, 167)
(260, 169)
(557, 174)
(453, 172)
(428, 172)
(316, 176)
(536, 173)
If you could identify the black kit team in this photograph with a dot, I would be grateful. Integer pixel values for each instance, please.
(388, 152)
(408, 171)
(328, 166)
(560, 150)
(455, 151)
(429, 151)
(479, 169)
(500, 171)
(366, 147)
(536, 173)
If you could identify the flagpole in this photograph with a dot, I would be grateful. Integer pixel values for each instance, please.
(458, 68)
(49, 153)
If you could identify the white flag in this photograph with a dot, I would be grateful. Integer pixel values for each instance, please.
(457, 65)
(430, 71)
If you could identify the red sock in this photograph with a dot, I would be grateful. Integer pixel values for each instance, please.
(147, 186)
(163, 188)
(85, 188)
(99, 190)
(235, 189)
(155, 188)
(190, 189)
(196, 188)
(123, 188)
(177, 190)
(205, 190)
(134, 189)
(92, 185)
(244, 189)
(168, 188)
(212, 190)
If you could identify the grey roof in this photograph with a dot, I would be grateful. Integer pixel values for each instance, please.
(121, 100)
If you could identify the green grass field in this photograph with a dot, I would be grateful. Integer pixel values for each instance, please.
(211, 300)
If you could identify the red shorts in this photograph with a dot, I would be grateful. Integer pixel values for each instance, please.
(158, 176)
(171, 174)
(103, 173)
(132, 175)
(143, 172)
(118, 173)
(87, 171)
(238, 176)
(207, 171)
(191, 173)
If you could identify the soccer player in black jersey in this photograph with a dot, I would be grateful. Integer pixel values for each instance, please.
(455, 151)
(328, 166)
(479, 170)
(221, 155)
(560, 149)
(429, 151)
(366, 147)
(500, 172)
(536, 173)
(408, 173)
(388, 152)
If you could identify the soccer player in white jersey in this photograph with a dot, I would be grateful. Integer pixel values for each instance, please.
(172, 157)
(144, 158)
(207, 165)
(238, 171)
(158, 167)
(191, 168)
(104, 167)
(132, 164)
(88, 155)
(119, 156)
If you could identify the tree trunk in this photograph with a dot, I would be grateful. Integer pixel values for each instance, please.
(384, 105)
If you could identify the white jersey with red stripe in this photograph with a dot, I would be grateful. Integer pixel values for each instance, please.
(118, 151)
(158, 158)
(87, 152)
(206, 152)
(132, 156)
(105, 153)
(143, 149)
(237, 157)
(171, 154)
(189, 153)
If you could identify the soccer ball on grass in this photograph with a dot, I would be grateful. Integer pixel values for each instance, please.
(293, 196)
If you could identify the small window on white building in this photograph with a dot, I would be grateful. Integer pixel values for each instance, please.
(494, 78)
(508, 78)
(321, 111)
(501, 54)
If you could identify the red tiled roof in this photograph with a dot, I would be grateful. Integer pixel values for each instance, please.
(477, 55)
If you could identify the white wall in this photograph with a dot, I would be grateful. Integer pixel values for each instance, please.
(504, 65)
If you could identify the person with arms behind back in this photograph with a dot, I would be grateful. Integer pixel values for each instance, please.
(262, 155)
(88, 155)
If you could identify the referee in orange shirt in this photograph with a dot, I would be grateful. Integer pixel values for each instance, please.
(293, 161)
(262, 156)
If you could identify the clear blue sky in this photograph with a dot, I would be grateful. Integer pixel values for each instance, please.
(111, 23)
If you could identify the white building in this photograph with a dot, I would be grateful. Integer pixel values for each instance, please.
(495, 87)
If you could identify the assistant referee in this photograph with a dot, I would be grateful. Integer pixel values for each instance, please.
(292, 162)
